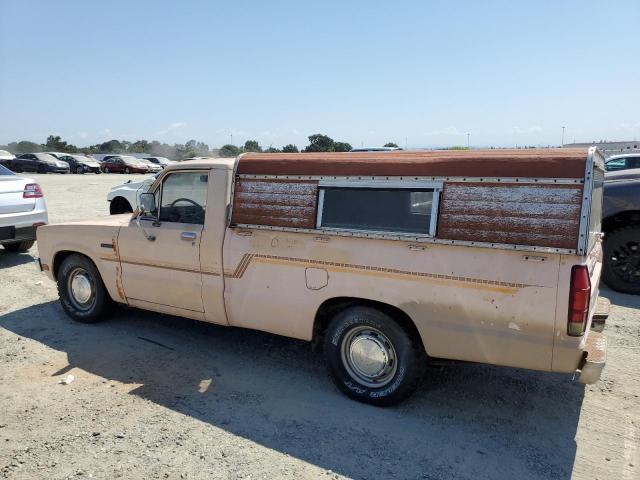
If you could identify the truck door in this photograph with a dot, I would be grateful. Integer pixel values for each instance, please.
(211, 244)
(160, 258)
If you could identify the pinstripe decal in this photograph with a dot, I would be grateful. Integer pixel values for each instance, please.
(248, 258)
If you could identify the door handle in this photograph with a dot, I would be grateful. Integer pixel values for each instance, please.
(188, 236)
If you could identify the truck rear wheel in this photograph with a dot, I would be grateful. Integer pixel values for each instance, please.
(82, 294)
(21, 247)
(372, 358)
(621, 270)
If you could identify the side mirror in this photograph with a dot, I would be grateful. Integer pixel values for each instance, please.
(147, 203)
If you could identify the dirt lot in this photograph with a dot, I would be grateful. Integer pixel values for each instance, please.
(161, 397)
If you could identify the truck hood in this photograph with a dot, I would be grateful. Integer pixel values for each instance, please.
(107, 221)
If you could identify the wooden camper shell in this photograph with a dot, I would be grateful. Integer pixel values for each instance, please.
(542, 196)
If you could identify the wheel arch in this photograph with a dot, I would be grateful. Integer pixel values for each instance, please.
(60, 257)
(620, 220)
(120, 205)
(331, 306)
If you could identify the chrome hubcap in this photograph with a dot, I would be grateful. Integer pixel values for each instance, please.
(369, 356)
(81, 288)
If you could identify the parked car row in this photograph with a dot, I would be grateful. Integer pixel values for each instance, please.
(58, 162)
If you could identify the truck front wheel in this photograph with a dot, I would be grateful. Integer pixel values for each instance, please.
(621, 269)
(82, 293)
(372, 358)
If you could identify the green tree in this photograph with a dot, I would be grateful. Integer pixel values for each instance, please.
(320, 143)
(291, 148)
(140, 146)
(391, 144)
(272, 150)
(56, 144)
(252, 146)
(112, 146)
(229, 151)
(24, 146)
(341, 147)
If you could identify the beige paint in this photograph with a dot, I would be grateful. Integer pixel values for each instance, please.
(468, 303)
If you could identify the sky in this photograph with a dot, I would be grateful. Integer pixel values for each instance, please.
(418, 73)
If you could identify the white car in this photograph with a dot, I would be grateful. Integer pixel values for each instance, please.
(22, 210)
(162, 161)
(126, 197)
(153, 167)
(6, 158)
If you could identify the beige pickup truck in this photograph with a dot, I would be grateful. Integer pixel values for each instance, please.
(388, 260)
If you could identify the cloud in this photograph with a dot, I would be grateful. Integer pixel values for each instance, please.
(533, 129)
(630, 127)
(170, 128)
(446, 131)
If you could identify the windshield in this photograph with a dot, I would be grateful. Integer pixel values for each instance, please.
(5, 171)
(45, 157)
(130, 159)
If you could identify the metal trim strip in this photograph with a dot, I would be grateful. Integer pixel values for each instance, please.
(328, 178)
(407, 238)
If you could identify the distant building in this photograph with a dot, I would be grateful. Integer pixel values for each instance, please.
(609, 148)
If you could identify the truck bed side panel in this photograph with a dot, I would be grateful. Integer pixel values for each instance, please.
(475, 304)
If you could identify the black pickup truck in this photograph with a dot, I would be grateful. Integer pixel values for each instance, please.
(621, 227)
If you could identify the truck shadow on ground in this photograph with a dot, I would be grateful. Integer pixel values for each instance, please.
(11, 259)
(465, 421)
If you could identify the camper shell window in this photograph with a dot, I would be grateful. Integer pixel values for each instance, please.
(410, 209)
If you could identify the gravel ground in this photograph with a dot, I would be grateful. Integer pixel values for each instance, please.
(156, 396)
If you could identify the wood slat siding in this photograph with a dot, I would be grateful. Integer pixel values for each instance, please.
(544, 215)
(278, 203)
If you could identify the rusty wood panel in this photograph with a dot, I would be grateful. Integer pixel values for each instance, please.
(279, 203)
(515, 192)
(274, 199)
(286, 187)
(536, 163)
(284, 211)
(513, 213)
(525, 210)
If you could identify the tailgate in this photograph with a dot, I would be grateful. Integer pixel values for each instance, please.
(11, 196)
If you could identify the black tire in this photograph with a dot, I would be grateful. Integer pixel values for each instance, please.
(106, 169)
(120, 205)
(99, 304)
(127, 171)
(42, 169)
(621, 257)
(405, 357)
(20, 247)
(79, 170)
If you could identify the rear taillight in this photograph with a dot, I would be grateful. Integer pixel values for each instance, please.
(32, 190)
(579, 298)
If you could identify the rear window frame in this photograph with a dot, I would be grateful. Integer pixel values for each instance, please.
(383, 185)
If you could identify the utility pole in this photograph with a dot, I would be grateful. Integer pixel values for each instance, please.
(406, 143)
(232, 139)
(563, 135)
(468, 144)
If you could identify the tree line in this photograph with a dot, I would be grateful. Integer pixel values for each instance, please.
(54, 143)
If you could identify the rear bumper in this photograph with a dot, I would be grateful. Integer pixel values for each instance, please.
(600, 314)
(594, 359)
(21, 226)
(17, 234)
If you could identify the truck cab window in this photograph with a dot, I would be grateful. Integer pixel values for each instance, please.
(184, 198)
